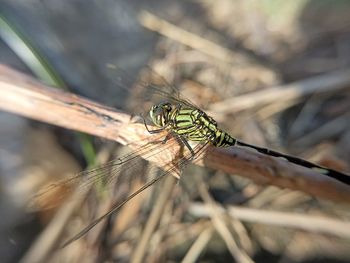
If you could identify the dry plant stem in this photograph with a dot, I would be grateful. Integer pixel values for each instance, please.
(153, 221)
(178, 234)
(327, 130)
(329, 82)
(95, 236)
(47, 241)
(310, 223)
(266, 170)
(25, 96)
(198, 246)
(203, 45)
(242, 235)
(269, 110)
(221, 227)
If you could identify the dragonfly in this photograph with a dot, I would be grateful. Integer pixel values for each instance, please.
(182, 121)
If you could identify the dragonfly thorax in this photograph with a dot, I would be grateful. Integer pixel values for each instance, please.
(190, 123)
(160, 113)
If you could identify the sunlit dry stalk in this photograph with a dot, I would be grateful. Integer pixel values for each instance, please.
(152, 222)
(198, 246)
(27, 97)
(312, 223)
(219, 223)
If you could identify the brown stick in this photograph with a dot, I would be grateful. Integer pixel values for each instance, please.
(153, 221)
(329, 82)
(25, 96)
(307, 222)
(194, 41)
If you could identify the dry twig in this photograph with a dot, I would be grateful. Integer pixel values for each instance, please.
(329, 82)
(27, 97)
(310, 223)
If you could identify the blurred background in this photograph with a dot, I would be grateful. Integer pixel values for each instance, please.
(215, 52)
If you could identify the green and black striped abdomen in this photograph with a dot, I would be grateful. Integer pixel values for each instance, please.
(195, 125)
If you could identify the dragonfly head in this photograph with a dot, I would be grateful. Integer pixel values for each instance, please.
(160, 113)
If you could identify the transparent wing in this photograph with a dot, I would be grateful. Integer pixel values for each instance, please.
(172, 166)
(148, 89)
(108, 174)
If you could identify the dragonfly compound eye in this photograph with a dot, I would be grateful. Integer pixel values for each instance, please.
(159, 114)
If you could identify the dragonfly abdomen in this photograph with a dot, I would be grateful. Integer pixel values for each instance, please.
(223, 139)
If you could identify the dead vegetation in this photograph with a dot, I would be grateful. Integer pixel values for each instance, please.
(284, 84)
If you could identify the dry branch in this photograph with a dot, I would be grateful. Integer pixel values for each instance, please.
(311, 223)
(194, 41)
(25, 96)
(329, 82)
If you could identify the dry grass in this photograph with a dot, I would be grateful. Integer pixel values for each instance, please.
(199, 219)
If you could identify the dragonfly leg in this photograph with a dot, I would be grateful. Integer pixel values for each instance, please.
(185, 142)
(153, 131)
(167, 137)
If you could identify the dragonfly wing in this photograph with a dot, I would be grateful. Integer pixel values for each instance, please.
(148, 89)
(172, 166)
(110, 173)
